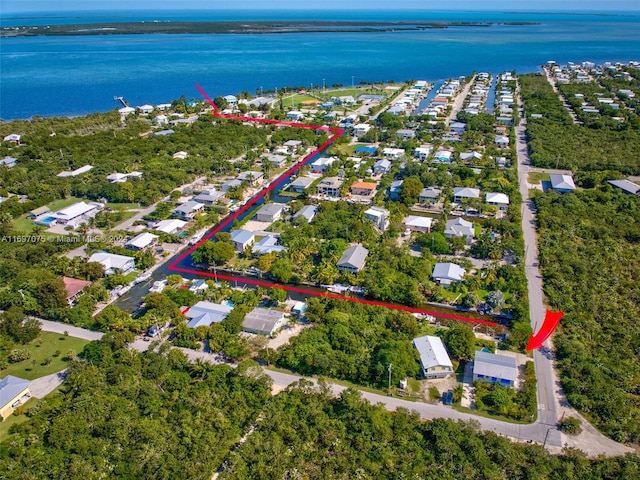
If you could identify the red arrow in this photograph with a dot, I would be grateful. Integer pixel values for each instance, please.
(551, 321)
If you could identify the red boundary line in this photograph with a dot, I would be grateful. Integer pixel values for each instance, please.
(336, 133)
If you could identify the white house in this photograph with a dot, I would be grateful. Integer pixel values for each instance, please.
(241, 239)
(459, 227)
(146, 109)
(307, 212)
(458, 127)
(126, 111)
(381, 167)
(418, 224)
(422, 152)
(379, 216)
(465, 193)
(562, 183)
(502, 141)
(353, 259)
(294, 115)
(268, 244)
(500, 200)
(9, 162)
(122, 177)
(77, 214)
(443, 156)
(277, 161)
(112, 262)
(323, 164)
(434, 360)
(203, 314)
(76, 172)
(447, 273)
(169, 226)
(392, 153)
(141, 241)
(361, 129)
(300, 184)
(181, 155)
(188, 209)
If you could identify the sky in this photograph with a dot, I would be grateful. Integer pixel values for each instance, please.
(31, 6)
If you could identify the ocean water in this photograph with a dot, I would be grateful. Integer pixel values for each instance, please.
(76, 75)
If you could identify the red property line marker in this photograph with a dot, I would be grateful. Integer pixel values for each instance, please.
(551, 321)
(336, 133)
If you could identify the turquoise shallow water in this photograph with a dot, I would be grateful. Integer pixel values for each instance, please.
(77, 75)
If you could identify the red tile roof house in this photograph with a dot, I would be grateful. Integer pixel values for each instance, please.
(74, 288)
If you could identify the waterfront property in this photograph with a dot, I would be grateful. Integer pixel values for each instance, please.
(142, 241)
(330, 187)
(489, 367)
(323, 164)
(434, 360)
(300, 184)
(263, 321)
(270, 212)
(170, 227)
(268, 244)
(447, 273)
(251, 177)
(188, 210)
(241, 239)
(353, 259)
(74, 288)
(204, 314)
(113, 263)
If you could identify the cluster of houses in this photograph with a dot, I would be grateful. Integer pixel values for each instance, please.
(504, 103)
(438, 105)
(476, 101)
(487, 367)
(409, 99)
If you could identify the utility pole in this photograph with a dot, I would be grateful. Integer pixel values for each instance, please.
(389, 368)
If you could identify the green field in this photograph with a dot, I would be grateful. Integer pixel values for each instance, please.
(44, 347)
(26, 225)
(65, 202)
(535, 178)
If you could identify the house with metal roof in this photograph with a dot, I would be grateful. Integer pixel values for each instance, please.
(394, 190)
(443, 156)
(429, 195)
(270, 212)
(434, 359)
(330, 187)
(252, 177)
(626, 186)
(392, 153)
(231, 184)
(459, 227)
(276, 161)
(353, 259)
(112, 262)
(268, 244)
(361, 129)
(76, 214)
(381, 167)
(14, 391)
(307, 212)
(76, 172)
(300, 184)
(170, 227)
(379, 216)
(241, 239)
(263, 321)
(562, 183)
(208, 197)
(203, 314)
(321, 165)
(141, 241)
(489, 367)
(8, 161)
(500, 200)
(416, 223)
(188, 209)
(447, 273)
(465, 193)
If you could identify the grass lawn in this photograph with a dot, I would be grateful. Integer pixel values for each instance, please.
(298, 100)
(535, 178)
(15, 420)
(482, 413)
(65, 202)
(40, 350)
(23, 224)
(123, 206)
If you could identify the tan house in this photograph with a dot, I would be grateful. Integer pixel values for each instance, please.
(14, 392)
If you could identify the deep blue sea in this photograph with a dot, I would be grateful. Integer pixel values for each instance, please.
(76, 75)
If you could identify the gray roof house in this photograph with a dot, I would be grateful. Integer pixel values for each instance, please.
(434, 360)
(188, 209)
(447, 273)
(112, 262)
(13, 391)
(230, 184)
(382, 166)
(489, 367)
(241, 239)
(263, 321)
(459, 227)
(429, 195)
(270, 212)
(300, 184)
(8, 162)
(353, 259)
(268, 244)
(252, 177)
(205, 313)
(462, 193)
(209, 197)
(276, 161)
(626, 186)
(308, 212)
(562, 183)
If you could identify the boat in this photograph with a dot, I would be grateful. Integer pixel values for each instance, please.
(142, 278)
(196, 238)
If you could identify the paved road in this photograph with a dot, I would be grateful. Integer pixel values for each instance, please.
(459, 101)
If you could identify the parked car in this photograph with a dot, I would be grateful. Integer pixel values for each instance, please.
(447, 397)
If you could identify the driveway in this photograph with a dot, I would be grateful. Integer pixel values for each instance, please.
(43, 386)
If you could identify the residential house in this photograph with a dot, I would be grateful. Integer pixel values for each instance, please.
(141, 241)
(502, 141)
(394, 190)
(76, 172)
(300, 184)
(626, 186)
(381, 167)
(422, 152)
(295, 115)
(199, 286)
(363, 188)
(231, 184)
(122, 177)
(231, 99)
(126, 111)
(208, 197)
(9, 162)
(429, 195)
(14, 391)
(406, 134)
(204, 314)
(164, 133)
(465, 193)
(447, 273)
(330, 187)
(170, 227)
(263, 321)
(146, 109)
(241, 239)
(307, 212)
(323, 164)
(74, 288)
(361, 129)
(379, 216)
(353, 259)
(443, 156)
(459, 227)
(113, 263)
(562, 183)
(392, 153)
(470, 156)
(270, 212)
(189, 209)
(292, 145)
(181, 155)
(458, 127)
(36, 212)
(418, 224)
(251, 177)
(500, 200)
(268, 244)
(489, 367)
(76, 214)
(434, 360)
(276, 161)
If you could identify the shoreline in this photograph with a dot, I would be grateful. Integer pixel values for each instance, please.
(238, 27)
